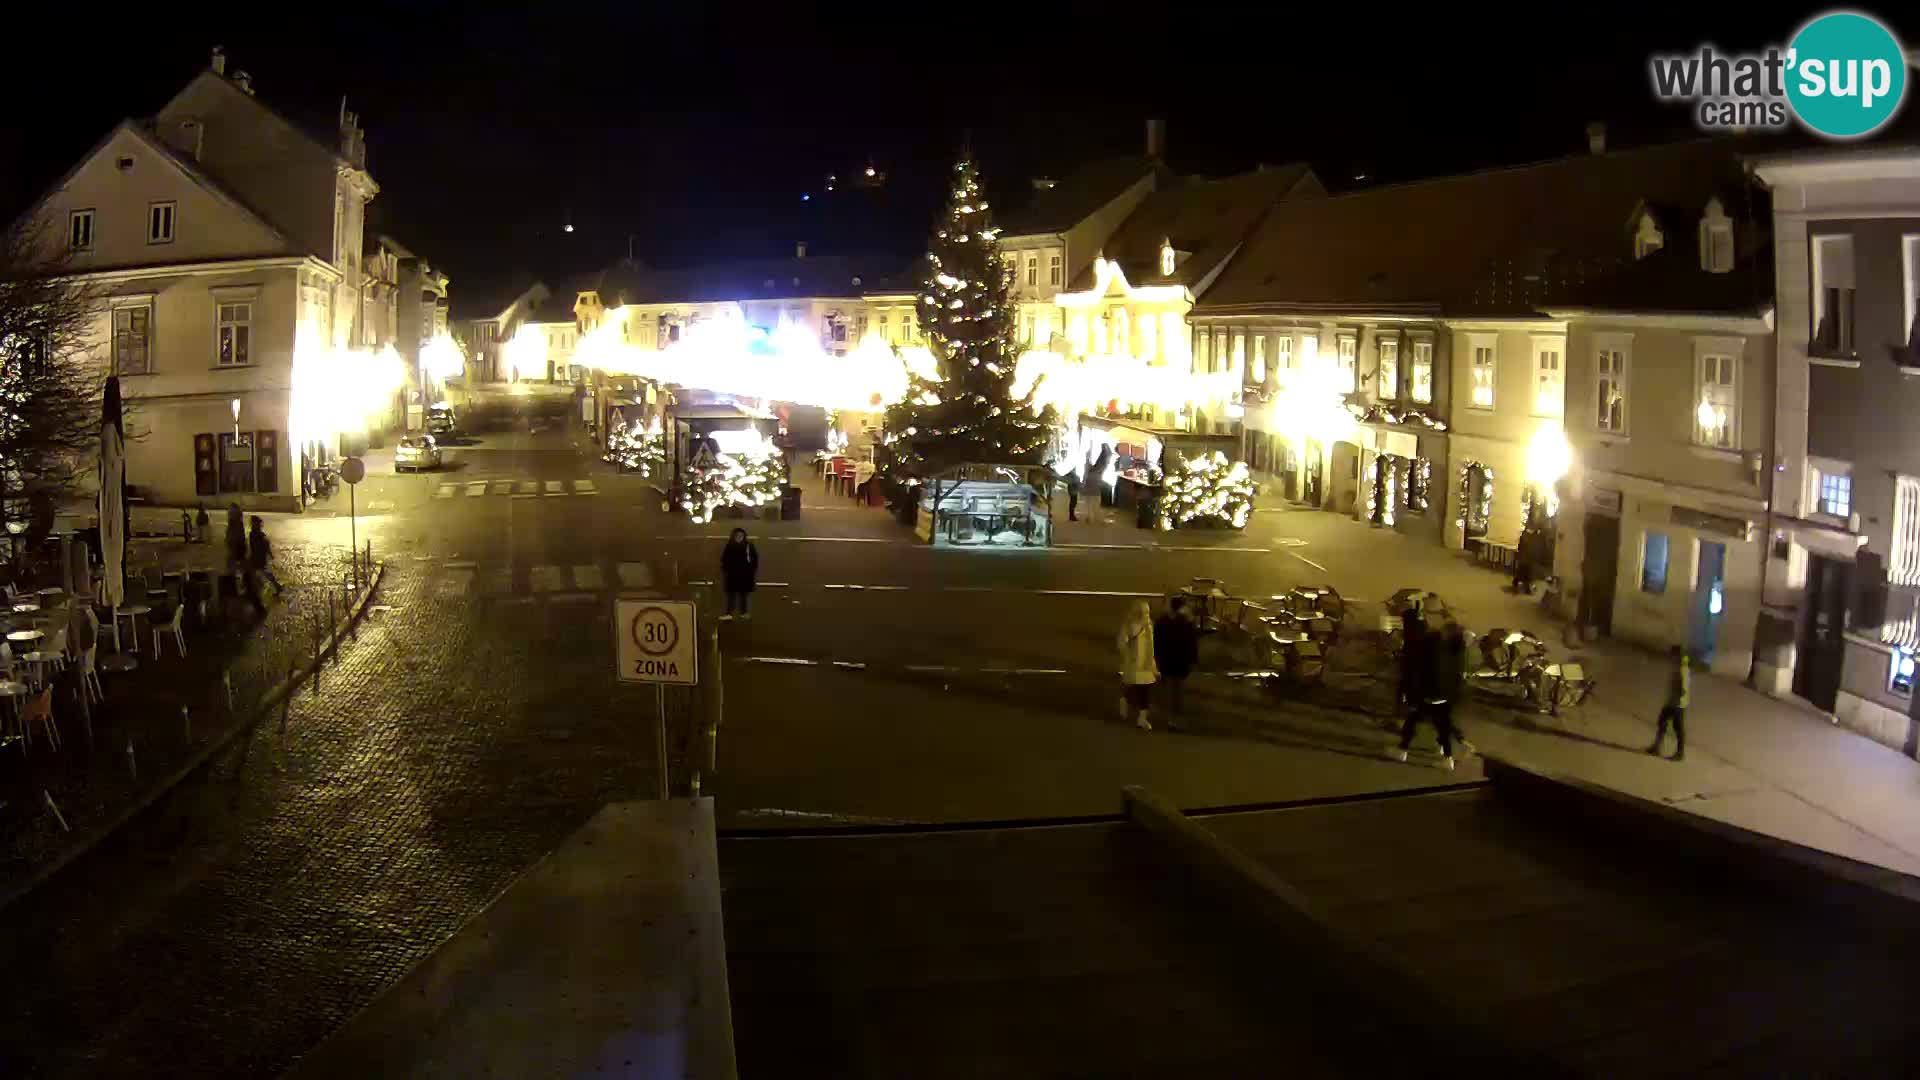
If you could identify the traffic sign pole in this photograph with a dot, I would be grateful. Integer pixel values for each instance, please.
(657, 641)
(660, 735)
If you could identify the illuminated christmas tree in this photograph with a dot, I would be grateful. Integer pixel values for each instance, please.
(748, 481)
(1207, 488)
(633, 447)
(970, 412)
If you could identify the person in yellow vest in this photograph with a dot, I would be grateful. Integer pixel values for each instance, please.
(1679, 686)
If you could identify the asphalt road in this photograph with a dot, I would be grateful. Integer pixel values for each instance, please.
(476, 722)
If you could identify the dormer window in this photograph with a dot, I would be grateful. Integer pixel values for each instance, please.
(1647, 237)
(1166, 258)
(1716, 239)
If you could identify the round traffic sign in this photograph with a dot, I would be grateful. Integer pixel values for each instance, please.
(353, 470)
(654, 631)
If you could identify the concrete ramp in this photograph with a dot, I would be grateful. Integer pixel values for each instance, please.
(606, 959)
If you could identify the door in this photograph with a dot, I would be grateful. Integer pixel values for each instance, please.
(1709, 600)
(1598, 571)
(1822, 648)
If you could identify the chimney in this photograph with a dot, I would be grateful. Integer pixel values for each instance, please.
(800, 250)
(1597, 137)
(244, 81)
(219, 60)
(1156, 137)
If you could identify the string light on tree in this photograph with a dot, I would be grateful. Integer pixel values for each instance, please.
(1207, 488)
(966, 408)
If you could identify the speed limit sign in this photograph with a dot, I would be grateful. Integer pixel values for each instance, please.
(654, 641)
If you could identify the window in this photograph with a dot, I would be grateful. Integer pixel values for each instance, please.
(1149, 338)
(1549, 387)
(1832, 296)
(1910, 271)
(1077, 334)
(1716, 416)
(1166, 260)
(1053, 269)
(1647, 237)
(1485, 367)
(1033, 270)
(160, 223)
(1202, 355)
(1903, 566)
(233, 340)
(1309, 349)
(1029, 329)
(1388, 386)
(1900, 672)
(1421, 375)
(80, 230)
(1220, 356)
(1257, 375)
(1013, 268)
(1239, 351)
(1346, 359)
(1836, 494)
(1610, 387)
(1171, 336)
(1653, 563)
(1122, 338)
(1283, 353)
(1716, 239)
(132, 339)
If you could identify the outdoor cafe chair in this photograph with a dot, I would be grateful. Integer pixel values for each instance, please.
(40, 708)
(173, 627)
(89, 675)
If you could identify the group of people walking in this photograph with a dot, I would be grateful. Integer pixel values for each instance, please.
(1156, 651)
(250, 556)
(1433, 669)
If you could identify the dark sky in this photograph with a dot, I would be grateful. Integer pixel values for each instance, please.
(696, 132)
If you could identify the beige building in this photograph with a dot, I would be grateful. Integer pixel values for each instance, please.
(226, 243)
(1053, 241)
(484, 335)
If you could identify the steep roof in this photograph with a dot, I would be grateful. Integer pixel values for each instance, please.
(1070, 201)
(1510, 241)
(1206, 220)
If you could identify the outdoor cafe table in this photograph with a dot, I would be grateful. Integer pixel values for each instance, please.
(25, 635)
(131, 613)
(52, 591)
(25, 607)
(13, 691)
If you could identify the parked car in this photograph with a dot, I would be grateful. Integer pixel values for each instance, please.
(440, 420)
(416, 452)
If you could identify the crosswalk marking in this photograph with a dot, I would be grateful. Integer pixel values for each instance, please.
(546, 578)
(476, 487)
(585, 487)
(527, 487)
(635, 575)
(446, 491)
(554, 488)
(587, 576)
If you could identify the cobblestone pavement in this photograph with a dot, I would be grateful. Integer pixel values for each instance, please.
(138, 735)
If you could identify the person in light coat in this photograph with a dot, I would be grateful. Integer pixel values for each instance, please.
(1138, 671)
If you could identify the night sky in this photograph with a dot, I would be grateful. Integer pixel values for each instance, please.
(695, 133)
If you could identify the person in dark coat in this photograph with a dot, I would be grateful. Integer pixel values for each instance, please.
(237, 563)
(1413, 662)
(739, 564)
(260, 554)
(1176, 649)
(1073, 496)
(1439, 673)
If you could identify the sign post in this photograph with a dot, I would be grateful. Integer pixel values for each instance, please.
(655, 641)
(353, 470)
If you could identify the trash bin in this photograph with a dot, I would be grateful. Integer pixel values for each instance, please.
(790, 504)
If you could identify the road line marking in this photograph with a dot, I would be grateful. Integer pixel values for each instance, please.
(462, 564)
(635, 575)
(585, 487)
(573, 597)
(446, 491)
(1091, 592)
(1103, 547)
(1171, 547)
(838, 539)
(526, 486)
(526, 495)
(1309, 562)
(793, 660)
(554, 487)
(477, 487)
(699, 582)
(850, 665)
(588, 576)
(1023, 671)
(930, 667)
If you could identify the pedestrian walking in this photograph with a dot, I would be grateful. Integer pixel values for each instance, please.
(1138, 670)
(237, 563)
(1674, 712)
(1430, 689)
(739, 565)
(1073, 496)
(260, 555)
(1413, 644)
(1176, 650)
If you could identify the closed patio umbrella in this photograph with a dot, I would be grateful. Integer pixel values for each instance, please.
(113, 504)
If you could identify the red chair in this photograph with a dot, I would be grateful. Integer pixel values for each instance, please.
(844, 472)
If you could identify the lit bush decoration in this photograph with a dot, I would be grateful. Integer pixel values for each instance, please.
(748, 481)
(635, 448)
(1476, 508)
(1207, 488)
(1419, 479)
(1382, 483)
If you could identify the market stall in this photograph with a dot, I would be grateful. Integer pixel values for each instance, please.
(987, 506)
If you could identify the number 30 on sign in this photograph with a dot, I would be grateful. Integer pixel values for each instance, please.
(654, 641)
